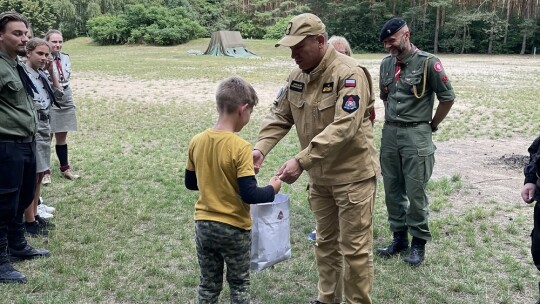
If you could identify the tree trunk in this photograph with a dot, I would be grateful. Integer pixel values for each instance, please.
(507, 21)
(463, 41)
(437, 27)
(394, 8)
(523, 44)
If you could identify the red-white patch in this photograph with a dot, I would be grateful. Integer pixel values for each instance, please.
(350, 83)
(438, 67)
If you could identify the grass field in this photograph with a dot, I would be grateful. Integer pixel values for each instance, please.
(125, 229)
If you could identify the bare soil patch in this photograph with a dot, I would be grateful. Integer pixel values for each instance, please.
(491, 170)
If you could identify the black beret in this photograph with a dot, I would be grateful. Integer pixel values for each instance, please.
(391, 27)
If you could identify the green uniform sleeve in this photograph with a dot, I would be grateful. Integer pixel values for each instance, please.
(439, 81)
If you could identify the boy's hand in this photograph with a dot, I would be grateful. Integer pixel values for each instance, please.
(527, 192)
(275, 182)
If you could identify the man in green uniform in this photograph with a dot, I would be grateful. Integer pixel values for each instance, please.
(328, 98)
(409, 80)
(17, 147)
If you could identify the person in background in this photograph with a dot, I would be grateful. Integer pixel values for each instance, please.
(409, 80)
(530, 192)
(342, 45)
(63, 119)
(328, 97)
(220, 166)
(38, 54)
(17, 143)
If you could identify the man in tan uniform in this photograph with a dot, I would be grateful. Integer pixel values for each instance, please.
(328, 98)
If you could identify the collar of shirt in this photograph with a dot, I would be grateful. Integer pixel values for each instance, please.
(409, 55)
(11, 61)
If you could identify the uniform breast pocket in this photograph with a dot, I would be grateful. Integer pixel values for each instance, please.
(14, 86)
(411, 84)
(296, 100)
(326, 109)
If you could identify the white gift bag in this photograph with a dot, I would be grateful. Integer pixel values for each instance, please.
(270, 235)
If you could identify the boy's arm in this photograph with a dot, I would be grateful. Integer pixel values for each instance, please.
(190, 180)
(251, 194)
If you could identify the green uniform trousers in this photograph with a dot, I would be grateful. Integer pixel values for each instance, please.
(407, 159)
(344, 240)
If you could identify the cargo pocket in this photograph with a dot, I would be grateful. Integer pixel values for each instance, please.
(359, 211)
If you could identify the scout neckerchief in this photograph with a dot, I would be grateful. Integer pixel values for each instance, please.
(47, 87)
(59, 68)
(26, 81)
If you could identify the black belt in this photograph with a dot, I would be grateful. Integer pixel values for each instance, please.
(16, 139)
(42, 116)
(405, 124)
(66, 86)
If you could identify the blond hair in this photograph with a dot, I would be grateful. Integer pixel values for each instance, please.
(339, 40)
(234, 92)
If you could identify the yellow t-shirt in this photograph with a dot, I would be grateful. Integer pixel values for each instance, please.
(219, 158)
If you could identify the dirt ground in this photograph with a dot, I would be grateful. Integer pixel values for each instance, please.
(491, 170)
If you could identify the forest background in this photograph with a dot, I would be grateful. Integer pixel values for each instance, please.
(448, 26)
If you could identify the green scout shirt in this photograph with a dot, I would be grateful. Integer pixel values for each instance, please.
(330, 108)
(401, 103)
(17, 112)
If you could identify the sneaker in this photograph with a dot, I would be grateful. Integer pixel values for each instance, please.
(312, 236)
(44, 222)
(46, 208)
(70, 175)
(44, 214)
(46, 179)
(34, 229)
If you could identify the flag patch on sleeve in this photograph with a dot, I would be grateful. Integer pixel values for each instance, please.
(350, 83)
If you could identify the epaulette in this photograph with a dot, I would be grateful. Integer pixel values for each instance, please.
(425, 54)
(65, 53)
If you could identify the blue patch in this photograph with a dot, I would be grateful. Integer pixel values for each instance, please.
(350, 103)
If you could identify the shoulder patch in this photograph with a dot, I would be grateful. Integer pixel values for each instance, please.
(350, 83)
(297, 86)
(279, 95)
(350, 103)
(437, 66)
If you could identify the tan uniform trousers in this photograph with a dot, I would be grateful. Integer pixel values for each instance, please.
(344, 240)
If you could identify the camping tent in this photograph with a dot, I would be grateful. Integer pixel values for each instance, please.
(227, 43)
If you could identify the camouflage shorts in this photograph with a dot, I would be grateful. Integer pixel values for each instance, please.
(218, 244)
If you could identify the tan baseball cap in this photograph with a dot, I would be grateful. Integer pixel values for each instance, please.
(300, 27)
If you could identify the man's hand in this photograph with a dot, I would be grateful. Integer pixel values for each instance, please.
(527, 192)
(290, 171)
(258, 159)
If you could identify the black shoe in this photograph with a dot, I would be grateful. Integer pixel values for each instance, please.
(399, 244)
(44, 222)
(8, 274)
(27, 253)
(35, 229)
(416, 255)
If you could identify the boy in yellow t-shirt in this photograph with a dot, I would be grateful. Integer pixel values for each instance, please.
(220, 166)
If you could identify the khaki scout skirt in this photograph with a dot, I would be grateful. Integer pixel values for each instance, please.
(43, 143)
(64, 119)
